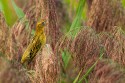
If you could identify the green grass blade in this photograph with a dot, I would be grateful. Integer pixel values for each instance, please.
(19, 11)
(77, 78)
(87, 73)
(66, 56)
(123, 2)
(8, 12)
(76, 22)
(86, 81)
(91, 68)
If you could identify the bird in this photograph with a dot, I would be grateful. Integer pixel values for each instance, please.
(37, 43)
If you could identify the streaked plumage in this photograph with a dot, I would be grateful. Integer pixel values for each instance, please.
(36, 44)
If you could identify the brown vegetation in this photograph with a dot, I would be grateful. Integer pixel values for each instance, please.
(107, 71)
(103, 16)
(87, 45)
(12, 72)
(47, 68)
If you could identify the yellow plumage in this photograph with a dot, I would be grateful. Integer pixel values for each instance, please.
(39, 40)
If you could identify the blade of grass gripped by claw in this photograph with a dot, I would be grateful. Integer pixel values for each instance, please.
(8, 12)
(91, 68)
(76, 21)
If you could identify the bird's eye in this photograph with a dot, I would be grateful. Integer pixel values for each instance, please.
(43, 23)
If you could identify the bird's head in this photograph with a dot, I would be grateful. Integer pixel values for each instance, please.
(40, 26)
